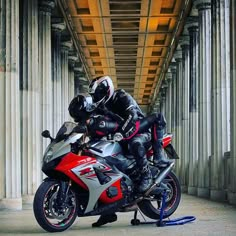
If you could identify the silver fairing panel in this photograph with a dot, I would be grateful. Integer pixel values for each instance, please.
(107, 148)
(92, 182)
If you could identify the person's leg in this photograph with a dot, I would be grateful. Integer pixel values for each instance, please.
(104, 219)
(158, 132)
(137, 148)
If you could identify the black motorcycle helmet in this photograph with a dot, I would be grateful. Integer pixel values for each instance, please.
(81, 107)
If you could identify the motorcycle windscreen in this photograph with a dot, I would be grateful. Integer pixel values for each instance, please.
(171, 153)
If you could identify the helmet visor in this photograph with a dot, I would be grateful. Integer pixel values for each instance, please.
(101, 92)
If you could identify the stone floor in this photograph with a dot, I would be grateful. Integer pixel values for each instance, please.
(211, 219)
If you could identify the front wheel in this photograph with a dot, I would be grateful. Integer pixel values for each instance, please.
(151, 207)
(52, 215)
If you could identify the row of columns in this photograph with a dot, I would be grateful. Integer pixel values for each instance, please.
(36, 86)
(10, 148)
(203, 115)
(232, 163)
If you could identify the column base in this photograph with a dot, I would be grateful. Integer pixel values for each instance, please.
(27, 201)
(218, 195)
(184, 189)
(11, 203)
(232, 198)
(203, 192)
(192, 191)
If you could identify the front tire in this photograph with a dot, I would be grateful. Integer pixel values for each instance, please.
(151, 208)
(51, 216)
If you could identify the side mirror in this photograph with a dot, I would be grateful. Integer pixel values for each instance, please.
(46, 134)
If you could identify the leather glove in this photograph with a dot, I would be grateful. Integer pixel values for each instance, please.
(101, 125)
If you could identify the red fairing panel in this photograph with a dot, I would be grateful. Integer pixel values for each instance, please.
(105, 199)
(71, 161)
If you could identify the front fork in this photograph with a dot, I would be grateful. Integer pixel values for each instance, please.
(63, 193)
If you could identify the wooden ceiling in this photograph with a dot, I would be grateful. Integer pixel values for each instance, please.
(126, 39)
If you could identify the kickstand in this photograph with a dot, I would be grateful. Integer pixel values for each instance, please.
(136, 221)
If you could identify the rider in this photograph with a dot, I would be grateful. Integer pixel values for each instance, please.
(121, 103)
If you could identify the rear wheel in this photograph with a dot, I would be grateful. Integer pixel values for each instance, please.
(49, 213)
(152, 207)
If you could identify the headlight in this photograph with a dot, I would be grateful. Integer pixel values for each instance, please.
(48, 155)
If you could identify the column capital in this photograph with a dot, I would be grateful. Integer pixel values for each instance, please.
(192, 24)
(168, 77)
(46, 6)
(178, 55)
(184, 41)
(72, 58)
(202, 4)
(66, 45)
(173, 68)
(58, 27)
(78, 68)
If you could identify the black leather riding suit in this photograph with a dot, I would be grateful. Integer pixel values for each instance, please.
(126, 107)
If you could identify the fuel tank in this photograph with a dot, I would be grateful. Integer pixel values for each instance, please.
(107, 148)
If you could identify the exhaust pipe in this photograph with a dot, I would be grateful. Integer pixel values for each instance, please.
(160, 178)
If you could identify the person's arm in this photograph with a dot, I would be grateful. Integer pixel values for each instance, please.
(130, 125)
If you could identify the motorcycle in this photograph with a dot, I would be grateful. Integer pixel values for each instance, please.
(91, 177)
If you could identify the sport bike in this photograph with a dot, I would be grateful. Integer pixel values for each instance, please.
(88, 177)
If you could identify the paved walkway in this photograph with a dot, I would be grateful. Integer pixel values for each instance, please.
(212, 219)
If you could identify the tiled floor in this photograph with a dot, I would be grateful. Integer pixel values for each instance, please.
(211, 219)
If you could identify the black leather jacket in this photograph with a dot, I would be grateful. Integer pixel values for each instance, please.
(121, 108)
(124, 105)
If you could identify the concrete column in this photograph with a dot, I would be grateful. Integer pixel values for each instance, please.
(77, 82)
(168, 101)
(10, 160)
(72, 59)
(163, 100)
(193, 108)
(220, 97)
(156, 106)
(45, 66)
(65, 47)
(30, 103)
(204, 10)
(57, 28)
(173, 103)
(185, 115)
(232, 185)
(179, 99)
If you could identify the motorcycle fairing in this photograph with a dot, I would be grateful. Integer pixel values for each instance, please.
(81, 170)
(62, 147)
(97, 191)
(71, 161)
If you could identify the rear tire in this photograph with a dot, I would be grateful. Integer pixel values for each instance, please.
(49, 215)
(172, 200)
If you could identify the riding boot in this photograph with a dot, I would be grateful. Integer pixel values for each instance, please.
(159, 158)
(104, 219)
(145, 179)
